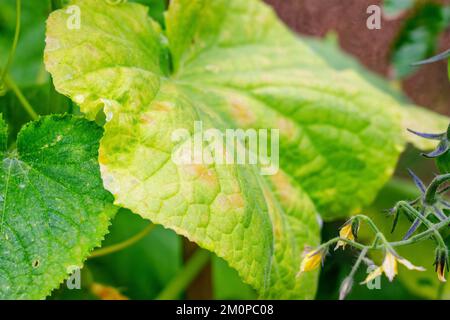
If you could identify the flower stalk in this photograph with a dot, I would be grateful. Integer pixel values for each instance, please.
(429, 210)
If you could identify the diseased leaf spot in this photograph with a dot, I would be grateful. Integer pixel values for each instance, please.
(241, 112)
(36, 263)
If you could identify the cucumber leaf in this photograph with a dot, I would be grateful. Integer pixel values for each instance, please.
(229, 64)
(329, 49)
(54, 209)
(412, 116)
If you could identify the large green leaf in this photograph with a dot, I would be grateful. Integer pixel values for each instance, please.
(328, 48)
(54, 209)
(413, 117)
(233, 65)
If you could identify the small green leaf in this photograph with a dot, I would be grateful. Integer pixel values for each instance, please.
(53, 208)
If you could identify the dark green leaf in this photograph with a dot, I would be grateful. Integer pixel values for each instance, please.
(54, 209)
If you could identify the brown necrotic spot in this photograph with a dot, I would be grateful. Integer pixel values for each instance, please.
(36, 263)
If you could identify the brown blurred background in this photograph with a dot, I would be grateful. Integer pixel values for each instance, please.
(429, 86)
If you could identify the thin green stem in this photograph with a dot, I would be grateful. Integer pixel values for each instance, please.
(347, 241)
(425, 234)
(361, 256)
(369, 221)
(347, 284)
(12, 146)
(375, 241)
(23, 101)
(414, 239)
(378, 234)
(406, 206)
(440, 291)
(12, 52)
(182, 280)
(122, 245)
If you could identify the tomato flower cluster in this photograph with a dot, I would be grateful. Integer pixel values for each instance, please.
(430, 210)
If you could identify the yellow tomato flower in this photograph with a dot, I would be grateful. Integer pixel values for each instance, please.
(441, 264)
(440, 270)
(346, 232)
(390, 267)
(374, 274)
(311, 261)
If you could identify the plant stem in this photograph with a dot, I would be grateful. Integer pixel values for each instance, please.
(122, 245)
(12, 52)
(412, 240)
(369, 221)
(181, 281)
(361, 256)
(347, 241)
(55, 4)
(441, 290)
(23, 101)
(422, 235)
(406, 206)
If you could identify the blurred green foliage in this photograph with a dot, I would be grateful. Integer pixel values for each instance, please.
(330, 51)
(419, 35)
(392, 8)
